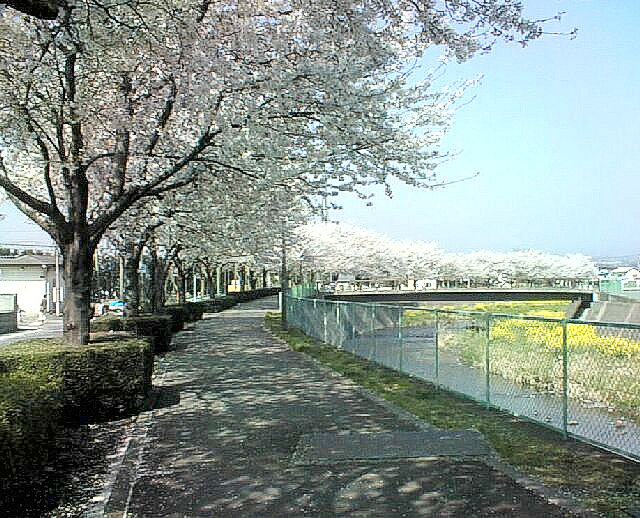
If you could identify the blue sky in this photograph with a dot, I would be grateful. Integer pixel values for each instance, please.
(17, 229)
(554, 130)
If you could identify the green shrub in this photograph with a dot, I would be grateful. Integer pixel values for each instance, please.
(178, 316)
(155, 327)
(98, 381)
(240, 296)
(246, 296)
(30, 414)
(210, 306)
(106, 323)
(194, 311)
(226, 302)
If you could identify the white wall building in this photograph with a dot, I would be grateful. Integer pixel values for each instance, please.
(31, 277)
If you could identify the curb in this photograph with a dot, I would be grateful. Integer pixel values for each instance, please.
(115, 498)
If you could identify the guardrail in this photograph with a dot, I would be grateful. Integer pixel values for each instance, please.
(581, 378)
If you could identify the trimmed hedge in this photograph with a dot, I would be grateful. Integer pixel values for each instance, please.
(194, 310)
(227, 301)
(179, 316)
(31, 407)
(106, 323)
(97, 381)
(155, 327)
(47, 383)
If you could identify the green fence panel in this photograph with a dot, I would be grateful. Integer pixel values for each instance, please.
(580, 378)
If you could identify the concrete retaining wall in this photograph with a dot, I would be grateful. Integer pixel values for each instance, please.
(470, 295)
(613, 312)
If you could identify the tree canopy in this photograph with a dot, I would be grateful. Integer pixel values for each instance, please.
(331, 247)
(112, 103)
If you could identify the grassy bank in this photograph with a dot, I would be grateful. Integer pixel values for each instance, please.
(603, 481)
(601, 369)
(535, 308)
(603, 362)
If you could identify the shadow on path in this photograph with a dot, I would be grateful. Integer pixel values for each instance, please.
(236, 402)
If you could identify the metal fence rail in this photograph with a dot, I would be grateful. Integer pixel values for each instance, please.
(581, 378)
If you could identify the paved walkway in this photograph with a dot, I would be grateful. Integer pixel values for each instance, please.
(243, 426)
(50, 328)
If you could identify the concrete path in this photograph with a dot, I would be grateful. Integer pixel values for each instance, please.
(243, 426)
(50, 328)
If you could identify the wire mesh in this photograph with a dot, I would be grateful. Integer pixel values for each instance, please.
(354, 325)
(461, 353)
(526, 368)
(582, 378)
(385, 345)
(604, 385)
(418, 328)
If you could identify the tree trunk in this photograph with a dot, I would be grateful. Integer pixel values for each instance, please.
(153, 279)
(182, 287)
(182, 279)
(132, 285)
(78, 271)
(158, 271)
(161, 282)
(211, 287)
(242, 278)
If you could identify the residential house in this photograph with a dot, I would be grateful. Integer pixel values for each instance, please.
(31, 277)
(623, 280)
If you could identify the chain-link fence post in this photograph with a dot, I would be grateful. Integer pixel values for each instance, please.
(487, 342)
(324, 318)
(363, 332)
(353, 320)
(400, 342)
(314, 319)
(565, 379)
(338, 330)
(436, 352)
(373, 328)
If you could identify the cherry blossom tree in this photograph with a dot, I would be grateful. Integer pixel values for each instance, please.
(343, 247)
(346, 248)
(116, 101)
(129, 235)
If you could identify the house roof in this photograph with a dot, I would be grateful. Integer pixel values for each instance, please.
(28, 259)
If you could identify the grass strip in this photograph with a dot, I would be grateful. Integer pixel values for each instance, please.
(607, 483)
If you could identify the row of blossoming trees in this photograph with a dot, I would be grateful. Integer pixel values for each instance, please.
(198, 127)
(333, 248)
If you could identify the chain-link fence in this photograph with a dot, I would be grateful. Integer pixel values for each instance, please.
(306, 290)
(582, 378)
